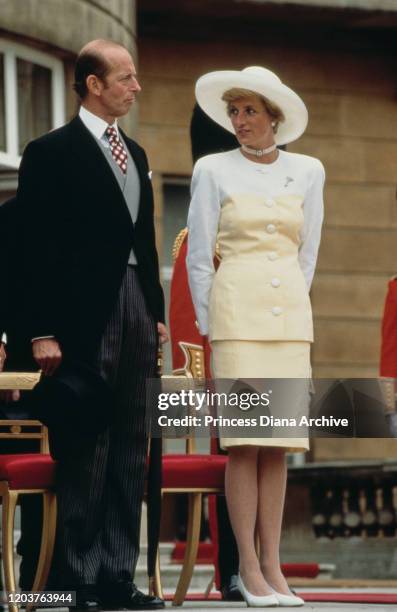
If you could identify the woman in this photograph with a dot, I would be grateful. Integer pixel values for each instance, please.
(264, 209)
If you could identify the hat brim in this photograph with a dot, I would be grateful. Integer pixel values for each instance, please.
(211, 87)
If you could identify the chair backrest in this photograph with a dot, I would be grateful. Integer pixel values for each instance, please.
(190, 447)
(22, 429)
(23, 381)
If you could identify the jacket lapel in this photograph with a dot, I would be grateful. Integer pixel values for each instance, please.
(93, 163)
(142, 172)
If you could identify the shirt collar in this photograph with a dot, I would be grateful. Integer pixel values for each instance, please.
(95, 124)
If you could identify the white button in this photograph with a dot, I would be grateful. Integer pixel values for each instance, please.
(272, 255)
(277, 310)
(269, 202)
(271, 228)
(276, 282)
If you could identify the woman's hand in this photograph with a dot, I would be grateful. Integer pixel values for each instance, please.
(163, 334)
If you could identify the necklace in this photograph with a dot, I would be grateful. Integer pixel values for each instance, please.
(259, 152)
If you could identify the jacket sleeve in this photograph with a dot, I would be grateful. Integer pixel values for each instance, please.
(313, 211)
(203, 219)
(7, 243)
(4, 272)
(153, 255)
(39, 242)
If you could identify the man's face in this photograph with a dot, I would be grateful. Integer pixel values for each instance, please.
(120, 86)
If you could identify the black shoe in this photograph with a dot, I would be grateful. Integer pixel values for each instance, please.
(125, 595)
(87, 598)
(230, 591)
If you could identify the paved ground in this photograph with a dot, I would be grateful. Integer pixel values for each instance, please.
(212, 606)
(310, 607)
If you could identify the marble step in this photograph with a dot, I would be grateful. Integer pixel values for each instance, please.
(202, 576)
(166, 549)
(170, 572)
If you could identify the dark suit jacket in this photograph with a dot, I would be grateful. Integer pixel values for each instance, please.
(75, 235)
(7, 213)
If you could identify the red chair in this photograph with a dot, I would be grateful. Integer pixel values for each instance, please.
(193, 475)
(26, 474)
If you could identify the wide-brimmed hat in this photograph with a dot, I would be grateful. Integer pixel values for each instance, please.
(211, 87)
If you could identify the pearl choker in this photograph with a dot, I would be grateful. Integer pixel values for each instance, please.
(259, 152)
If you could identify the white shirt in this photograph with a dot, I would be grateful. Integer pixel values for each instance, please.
(216, 178)
(97, 126)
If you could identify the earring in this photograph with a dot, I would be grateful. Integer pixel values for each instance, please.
(273, 123)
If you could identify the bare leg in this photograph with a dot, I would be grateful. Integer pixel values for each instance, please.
(272, 478)
(241, 486)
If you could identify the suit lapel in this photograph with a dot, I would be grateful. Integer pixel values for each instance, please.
(94, 165)
(142, 172)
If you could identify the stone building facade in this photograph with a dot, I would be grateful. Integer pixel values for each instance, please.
(39, 40)
(339, 56)
(341, 61)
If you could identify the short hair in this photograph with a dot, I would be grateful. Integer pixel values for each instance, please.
(237, 93)
(92, 60)
(89, 62)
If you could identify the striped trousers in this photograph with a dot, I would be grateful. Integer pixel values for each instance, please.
(100, 486)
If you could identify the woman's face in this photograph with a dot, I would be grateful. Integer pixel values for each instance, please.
(251, 122)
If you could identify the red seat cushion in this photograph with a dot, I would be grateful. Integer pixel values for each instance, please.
(195, 471)
(27, 471)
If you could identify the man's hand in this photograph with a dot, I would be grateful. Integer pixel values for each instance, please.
(7, 396)
(163, 334)
(47, 354)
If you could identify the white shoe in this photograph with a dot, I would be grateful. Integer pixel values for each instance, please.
(288, 600)
(256, 601)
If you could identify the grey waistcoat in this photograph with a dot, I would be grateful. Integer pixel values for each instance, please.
(129, 184)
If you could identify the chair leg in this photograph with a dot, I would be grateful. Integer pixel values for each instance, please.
(155, 587)
(192, 543)
(10, 499)
(47, 541)
(157, 578)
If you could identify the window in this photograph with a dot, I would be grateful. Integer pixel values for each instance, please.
(32, 98)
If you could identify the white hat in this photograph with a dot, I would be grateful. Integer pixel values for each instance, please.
(211, 87)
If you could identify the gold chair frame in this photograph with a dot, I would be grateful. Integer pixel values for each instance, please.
(194, 364)
(25, 430)
(195, 498)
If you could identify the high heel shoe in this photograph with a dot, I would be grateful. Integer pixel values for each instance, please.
(288, 600)
(256, 601)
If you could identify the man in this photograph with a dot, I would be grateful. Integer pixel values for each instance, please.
(7, 237)
(31, 505)
(89, 292)
(4, 223)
